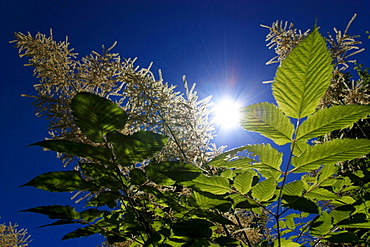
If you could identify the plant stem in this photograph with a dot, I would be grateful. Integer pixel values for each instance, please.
(278, 214)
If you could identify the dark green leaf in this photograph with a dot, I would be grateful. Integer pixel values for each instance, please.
(136, 147)
(166, 173)
(76, 149)
(61, 222)
(196, 228)
(56, 212)
(163, 199)
(96, 116)
(137, 176)
(63, 181)
(301, 204)
(81, 232)
(212, 216)
(104, 198)
(92, 214)
(227, 241)
(342, 237)
(92, 170)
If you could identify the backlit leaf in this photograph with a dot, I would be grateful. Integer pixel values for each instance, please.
(268, 120)
(321, 194)
(268, 155)
(63, 181)
(294, 188)
(243, 182)
(166, 173)
(76, 149)
(215, 185)
(303, 77)
(136, 147)
(330, 119)
(227, 159)
(206, 202)
(264, 190)
(330, 153)
(322, 225)
(56, 212)
(96, 116)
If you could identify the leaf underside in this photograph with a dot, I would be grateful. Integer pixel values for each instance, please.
(303, 77)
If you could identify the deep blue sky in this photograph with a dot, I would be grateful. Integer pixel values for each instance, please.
(217, 44)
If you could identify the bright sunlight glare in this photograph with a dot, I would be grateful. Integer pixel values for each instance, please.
(226, 114)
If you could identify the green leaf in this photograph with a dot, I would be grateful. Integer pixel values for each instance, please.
(243, 182)
(268, 155)
(60, 222)
(330, 153)
(301, 204)
(330, 119)
(215, 185)
(104, 198)
(268, 120)
(341, 213)
(264, 190)
(294, 188)
(92, 214)
(299, 148)
(203, 201)
(76, 149)
(56, 212)
(194, 228)
(136, 147)
(303, 77)
(320, 194)
(166, 173)
(322, 225)
(164, 198)
(81, 232)
(63, 181)
(342, 237)
(287, 243)
(228, 159)
(96, 116)
(344, 200)
(229, 174)
(92, 170)
(137, 176)
(326, 172)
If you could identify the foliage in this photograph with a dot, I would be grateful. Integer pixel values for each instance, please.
(345, 89)
(176, 203)
(11, 236)
(150, 103)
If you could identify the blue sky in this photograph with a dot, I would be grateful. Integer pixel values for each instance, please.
(217, 44)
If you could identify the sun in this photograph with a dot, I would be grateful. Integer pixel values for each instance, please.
(226, 114)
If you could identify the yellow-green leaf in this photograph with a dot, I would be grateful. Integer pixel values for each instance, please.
(268, 120)
(303, 77)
